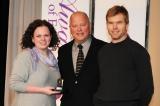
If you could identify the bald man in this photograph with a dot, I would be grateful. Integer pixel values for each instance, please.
(79, 87)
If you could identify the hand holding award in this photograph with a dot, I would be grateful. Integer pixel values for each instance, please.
(59, 84)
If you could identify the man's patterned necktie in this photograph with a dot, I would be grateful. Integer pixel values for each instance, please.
(80, 59)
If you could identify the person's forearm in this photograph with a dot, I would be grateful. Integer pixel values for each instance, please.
(34, 89)
(48, 90)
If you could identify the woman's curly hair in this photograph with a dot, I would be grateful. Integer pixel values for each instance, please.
(28, 35)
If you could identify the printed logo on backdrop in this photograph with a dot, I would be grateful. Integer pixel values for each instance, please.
(58, 12)
(58, 15)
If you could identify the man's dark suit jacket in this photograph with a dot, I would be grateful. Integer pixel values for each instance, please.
(80, 94)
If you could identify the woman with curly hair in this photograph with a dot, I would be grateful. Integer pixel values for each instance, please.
(35, 70)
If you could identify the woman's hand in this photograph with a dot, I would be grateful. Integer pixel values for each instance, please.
(50, 90)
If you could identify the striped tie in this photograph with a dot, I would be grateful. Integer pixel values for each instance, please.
(80, 59)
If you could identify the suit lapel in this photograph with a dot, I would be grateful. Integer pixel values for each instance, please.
(69, 58)
(87, 59)
(89, 55)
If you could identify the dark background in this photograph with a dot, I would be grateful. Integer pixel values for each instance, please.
(4, 13)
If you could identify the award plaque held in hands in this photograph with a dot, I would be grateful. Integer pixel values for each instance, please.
(59, 84)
